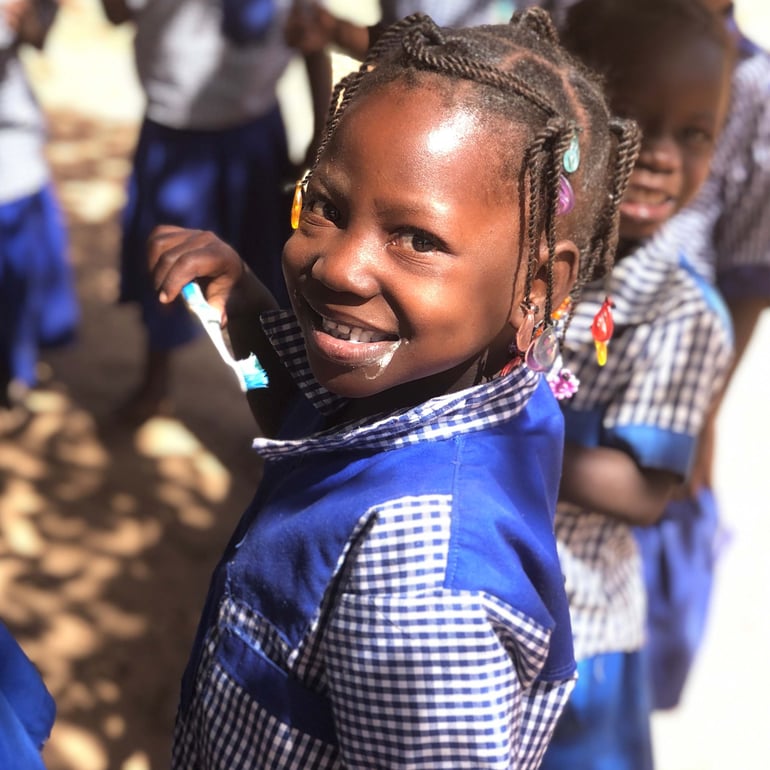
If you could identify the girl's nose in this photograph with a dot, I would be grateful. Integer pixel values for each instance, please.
(348, 264)
(660, 154)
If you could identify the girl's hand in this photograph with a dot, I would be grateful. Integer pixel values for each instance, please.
(178, 255)
(309, 28)
(13, 12)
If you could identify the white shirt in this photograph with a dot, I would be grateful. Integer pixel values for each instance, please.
(193, 76)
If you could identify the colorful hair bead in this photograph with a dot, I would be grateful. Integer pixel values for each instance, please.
(571, 160)
(296, 203)
(566, 201)
(563, 384)
(602, 329)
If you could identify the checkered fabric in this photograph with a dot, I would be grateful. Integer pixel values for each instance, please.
(370, 613)
(667, 361)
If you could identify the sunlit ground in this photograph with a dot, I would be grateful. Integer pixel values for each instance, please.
(108, 535)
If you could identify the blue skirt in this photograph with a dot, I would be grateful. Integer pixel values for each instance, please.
(230, 182)
(38, 303)
(606, 723)
(27, 709)
(679, 555)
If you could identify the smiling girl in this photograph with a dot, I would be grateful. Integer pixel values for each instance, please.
(392, 597)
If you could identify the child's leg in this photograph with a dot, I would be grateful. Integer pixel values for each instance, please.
(606, 724)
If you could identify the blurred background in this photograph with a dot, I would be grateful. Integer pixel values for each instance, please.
(108, 535)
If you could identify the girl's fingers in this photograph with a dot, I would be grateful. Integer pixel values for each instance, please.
(178, 256)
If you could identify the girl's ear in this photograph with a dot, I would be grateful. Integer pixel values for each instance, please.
(564, 275)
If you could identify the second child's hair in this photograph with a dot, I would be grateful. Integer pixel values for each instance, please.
(600, 31)
(520, 80)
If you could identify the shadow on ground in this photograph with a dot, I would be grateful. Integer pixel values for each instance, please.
(108, 534)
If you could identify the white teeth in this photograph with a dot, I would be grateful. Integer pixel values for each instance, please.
(351, 333)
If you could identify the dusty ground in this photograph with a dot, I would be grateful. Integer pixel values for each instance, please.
(108, 535)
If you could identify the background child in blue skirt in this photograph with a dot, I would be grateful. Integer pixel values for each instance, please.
(212, 152)
(38, 304)
(633, 426)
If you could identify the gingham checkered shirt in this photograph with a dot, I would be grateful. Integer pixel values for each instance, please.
(392, 598)
(667, 360)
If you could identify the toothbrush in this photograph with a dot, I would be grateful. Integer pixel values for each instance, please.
(249, 371)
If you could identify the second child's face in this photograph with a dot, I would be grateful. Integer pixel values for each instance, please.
(403, 268)
(679, 101)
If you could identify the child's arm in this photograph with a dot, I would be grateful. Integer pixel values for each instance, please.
(117, 11)
(311, 29)
(178, 256)
(31, 20)
(610, 481)
(319, 74)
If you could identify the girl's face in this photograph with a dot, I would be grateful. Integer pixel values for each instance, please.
(405, 267)
(679, 100)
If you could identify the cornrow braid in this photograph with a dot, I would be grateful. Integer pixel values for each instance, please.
(519, 76)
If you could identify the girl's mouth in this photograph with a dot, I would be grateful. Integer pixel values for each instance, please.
(647, 206)
(349, 345)
(342, 331)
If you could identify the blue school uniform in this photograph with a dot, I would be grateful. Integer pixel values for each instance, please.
(228, 181)
(38, 303)
(26, 708)
(392, 596)
(667, 360)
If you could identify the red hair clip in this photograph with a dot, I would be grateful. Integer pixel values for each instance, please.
(601, 330)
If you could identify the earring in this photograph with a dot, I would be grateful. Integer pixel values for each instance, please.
(296, 203)
(602, 329)
(524, 332)
(543, 351)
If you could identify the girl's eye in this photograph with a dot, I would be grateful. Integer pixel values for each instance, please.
(698, 137)
(417, 241)
(323, 209)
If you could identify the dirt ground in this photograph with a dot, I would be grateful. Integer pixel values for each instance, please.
(108, 534)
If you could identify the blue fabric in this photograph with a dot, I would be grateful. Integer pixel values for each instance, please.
(678, 554)
(230, 182)
(746, 282)
(650, 446)
(26, 708)
(290, 539)
(247, 21)
(606, 724)
(38, 303)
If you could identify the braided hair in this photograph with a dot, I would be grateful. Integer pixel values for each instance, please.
(518, 75)
(598, 32)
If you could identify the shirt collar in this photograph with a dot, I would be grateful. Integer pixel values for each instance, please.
(474, 408)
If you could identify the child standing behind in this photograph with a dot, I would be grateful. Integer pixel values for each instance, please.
(212, 151)
(632, 427)
(392, 597)
(38, 304)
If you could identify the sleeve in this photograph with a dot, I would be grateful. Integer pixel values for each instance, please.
(742, 232)
(680, 367)
(437, 680)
